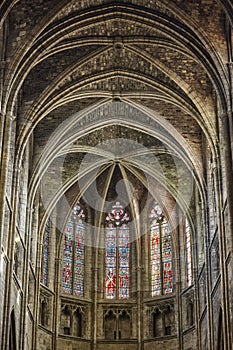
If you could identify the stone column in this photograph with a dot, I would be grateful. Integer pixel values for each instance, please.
(225, 117)
(57, 301)
(95, 276)
(7, 140)
(9, 235)
(137, 227)
(179, 275)
(4, 28)
(95, 305)
(52, 251)
(208, 276)
(196, 259)
(29, 230)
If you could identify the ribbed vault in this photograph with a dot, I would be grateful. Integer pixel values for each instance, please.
(101, 101)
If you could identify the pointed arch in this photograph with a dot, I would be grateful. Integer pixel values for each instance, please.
(12, 333)
(220, 341)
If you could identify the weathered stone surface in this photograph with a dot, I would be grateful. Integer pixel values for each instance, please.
(93, 92)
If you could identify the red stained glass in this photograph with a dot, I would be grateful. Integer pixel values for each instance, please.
(123, 255)
(167, 259)
(155, 260)
(110, 262)
(68, 259)
(117, 254)
(79, 258)
(160, 254)
(73, 254)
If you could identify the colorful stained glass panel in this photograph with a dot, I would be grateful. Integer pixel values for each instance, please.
(110, 261)
(167, 259)
(160, 253)
(123, 257)
(68, 259)
(45, 257)
(79, 258)
(155, 256)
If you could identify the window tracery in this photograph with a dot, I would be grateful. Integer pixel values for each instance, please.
(162, 320)
(117, 324)
(73, 320)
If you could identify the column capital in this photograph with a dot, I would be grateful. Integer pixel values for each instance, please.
(10, 116)
(30, 209)
(223, 116)
(226, 114)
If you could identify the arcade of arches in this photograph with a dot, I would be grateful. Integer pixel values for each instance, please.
(116, 199)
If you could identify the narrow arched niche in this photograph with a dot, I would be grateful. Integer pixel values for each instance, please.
(12, 332)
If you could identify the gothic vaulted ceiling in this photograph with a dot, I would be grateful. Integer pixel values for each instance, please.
(131, 87)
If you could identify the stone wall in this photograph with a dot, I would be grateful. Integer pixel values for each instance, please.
(77, 74)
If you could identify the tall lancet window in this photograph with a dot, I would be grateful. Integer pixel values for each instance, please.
(117, 253)
(73, 253)
(160, 253)
(45, 253)
(188, 249)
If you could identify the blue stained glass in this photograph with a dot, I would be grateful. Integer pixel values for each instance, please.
(79, 258)
(160, 254)
(117, 254)
(68, 259)
(123, 253)
(45, 254)
(167, 259)
(74, 253)
(155, 260)
(110, 262)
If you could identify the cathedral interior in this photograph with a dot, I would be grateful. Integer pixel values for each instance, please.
(116, 200)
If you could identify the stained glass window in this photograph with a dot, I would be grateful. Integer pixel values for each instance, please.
(68, 259)
(166, 258)
(117, 253)
(73, 253)
(188, 253)
(123, 253)
(155, 260)
(160, 253)
(79, 258)
(110, 261)
(45, 254)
